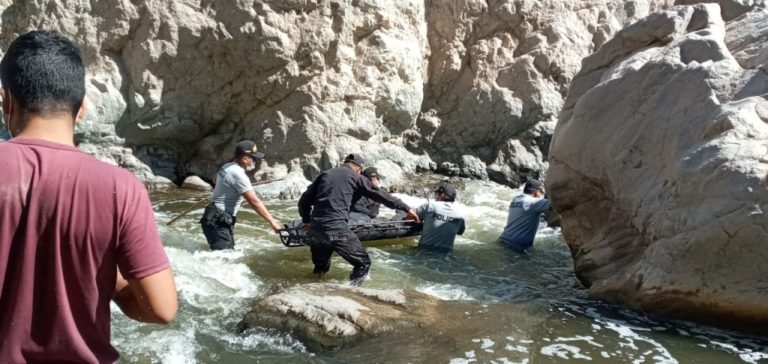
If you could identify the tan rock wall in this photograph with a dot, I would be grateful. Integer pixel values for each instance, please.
(467, 87)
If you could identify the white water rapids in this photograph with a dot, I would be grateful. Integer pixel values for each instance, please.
(556, 323)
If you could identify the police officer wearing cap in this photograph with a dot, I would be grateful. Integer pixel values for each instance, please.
(524, 216)
(443, 220)
(324, 209)
(232, 188)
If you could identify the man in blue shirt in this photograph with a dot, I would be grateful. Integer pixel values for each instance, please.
(524, 216)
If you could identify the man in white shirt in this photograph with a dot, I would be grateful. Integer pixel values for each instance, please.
(232, 188)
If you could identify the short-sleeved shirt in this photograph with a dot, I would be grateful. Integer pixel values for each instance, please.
(442, 222)
(231, 184)
(523, 221)
(67, 221)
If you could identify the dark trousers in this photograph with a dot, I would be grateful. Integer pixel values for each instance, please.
(218, 228)
(344, 242)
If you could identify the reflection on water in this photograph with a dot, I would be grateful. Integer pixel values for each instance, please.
(528, 308)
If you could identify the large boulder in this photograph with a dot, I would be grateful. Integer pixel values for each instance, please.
(659, 167)
(327, 316)
(173, 85)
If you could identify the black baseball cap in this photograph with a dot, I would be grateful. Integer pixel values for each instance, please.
(447, 190)
(355, 158)
(247, 147)
(372, 172)
(532, 185)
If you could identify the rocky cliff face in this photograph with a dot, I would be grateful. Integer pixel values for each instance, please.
(659, 166)
(463, 86)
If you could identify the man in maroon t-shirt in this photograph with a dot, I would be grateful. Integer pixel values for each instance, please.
(71, 227)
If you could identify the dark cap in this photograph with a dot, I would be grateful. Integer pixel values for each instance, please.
(447, 189)
(247, 147)
(372, 172)
(355, 158)
(532, 185)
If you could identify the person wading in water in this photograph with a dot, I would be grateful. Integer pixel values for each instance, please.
(524, 216)
(443, 220)
(324, 209)
(232, 188)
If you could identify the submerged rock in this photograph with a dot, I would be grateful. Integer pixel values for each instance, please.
(659, 167)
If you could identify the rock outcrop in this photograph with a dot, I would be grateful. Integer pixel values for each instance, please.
(498, 72)
(466, 87)
(327, 316)
(659, 167)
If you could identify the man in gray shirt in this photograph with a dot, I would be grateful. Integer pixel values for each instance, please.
(443, 220)
(524, 216)
(232, 188)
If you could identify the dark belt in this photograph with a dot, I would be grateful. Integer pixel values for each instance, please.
(215, 215)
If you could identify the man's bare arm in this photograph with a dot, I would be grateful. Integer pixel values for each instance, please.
(260, 209)
(151, 299)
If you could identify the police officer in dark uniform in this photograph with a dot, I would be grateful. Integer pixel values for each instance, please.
(324, 209)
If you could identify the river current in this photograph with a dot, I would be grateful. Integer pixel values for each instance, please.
(547, 317)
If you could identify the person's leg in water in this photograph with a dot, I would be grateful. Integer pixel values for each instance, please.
(218, 228)
(516, 248)
(349, 247)
(219, 236)
(321, 250)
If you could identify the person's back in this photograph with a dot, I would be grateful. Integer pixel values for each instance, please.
(524, 216)
(443, 220)
(75, 233)
(335, 190)
(63, 218)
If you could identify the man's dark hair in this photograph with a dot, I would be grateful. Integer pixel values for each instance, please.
(532, 185)
(44, 73)
(448, 191)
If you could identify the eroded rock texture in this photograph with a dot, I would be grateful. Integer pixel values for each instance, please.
(328, 316)
(465, 87)
(659, 166)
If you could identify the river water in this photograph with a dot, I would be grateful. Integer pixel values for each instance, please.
(532, 308)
